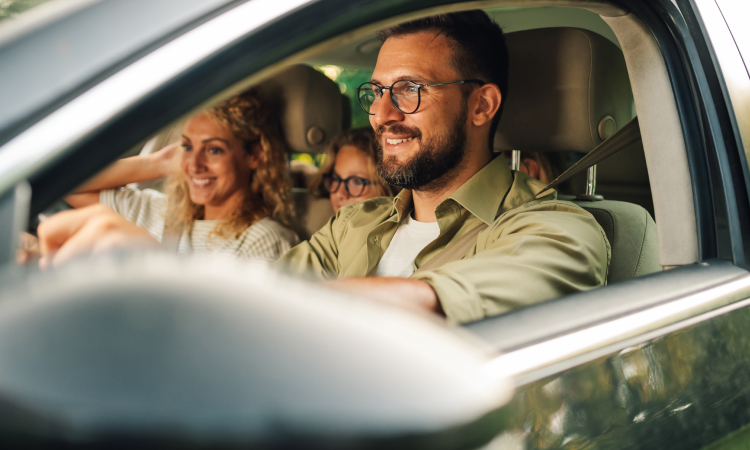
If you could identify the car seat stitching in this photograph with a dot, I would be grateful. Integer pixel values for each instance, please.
(643, 245)
(588, 90)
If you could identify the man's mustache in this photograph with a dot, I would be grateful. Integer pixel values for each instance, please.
(397, 129)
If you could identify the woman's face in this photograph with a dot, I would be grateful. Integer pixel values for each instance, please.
(216, 165)
(351, 162)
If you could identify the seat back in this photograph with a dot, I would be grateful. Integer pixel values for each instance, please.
(312, 212)
(631, 233)
(568, 91)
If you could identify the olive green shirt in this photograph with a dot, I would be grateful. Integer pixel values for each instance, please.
(538, 251)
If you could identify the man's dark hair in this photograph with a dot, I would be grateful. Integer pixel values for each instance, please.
(479, 50)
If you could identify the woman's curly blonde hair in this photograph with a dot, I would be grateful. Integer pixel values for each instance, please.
(269, 192)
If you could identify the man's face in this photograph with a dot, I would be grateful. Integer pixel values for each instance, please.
(419, 150)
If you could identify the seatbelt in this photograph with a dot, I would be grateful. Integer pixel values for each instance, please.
(624, 137)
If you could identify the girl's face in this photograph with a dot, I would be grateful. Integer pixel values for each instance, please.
(351, 162)
(216, 165)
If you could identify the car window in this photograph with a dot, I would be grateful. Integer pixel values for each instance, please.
(11, 8)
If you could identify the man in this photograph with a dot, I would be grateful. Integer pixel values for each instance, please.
(434, 102)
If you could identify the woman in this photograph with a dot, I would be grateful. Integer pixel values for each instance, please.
(226, 190)
(349, 173)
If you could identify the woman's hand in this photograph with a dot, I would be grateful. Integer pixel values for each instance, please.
(163, 160)
(28, 249)
(87, 231)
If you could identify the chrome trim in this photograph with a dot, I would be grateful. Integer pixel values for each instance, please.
(546, 358)
(515, 159)
(40, 143)
(591, 180)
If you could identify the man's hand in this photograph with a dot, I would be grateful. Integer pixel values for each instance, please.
(89, 230)
(403, 292)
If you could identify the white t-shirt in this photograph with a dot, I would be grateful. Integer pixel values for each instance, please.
(265, 239)
(410, 238)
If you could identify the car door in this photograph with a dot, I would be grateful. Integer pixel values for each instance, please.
(601, 370)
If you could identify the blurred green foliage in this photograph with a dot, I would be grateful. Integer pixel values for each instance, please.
(12, 8)
(349, 80)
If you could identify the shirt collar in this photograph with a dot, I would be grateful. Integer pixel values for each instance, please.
(483, 194)
(402, 203)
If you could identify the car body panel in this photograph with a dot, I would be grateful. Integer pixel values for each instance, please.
(684, 390)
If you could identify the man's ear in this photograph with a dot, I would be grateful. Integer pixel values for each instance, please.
(487, 104)
(253, 157)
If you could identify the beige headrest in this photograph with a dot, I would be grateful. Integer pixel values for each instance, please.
(568, 90)
(308, 105)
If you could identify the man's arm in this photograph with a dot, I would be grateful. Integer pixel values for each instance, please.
(403, 292)
(316, 258)
(538, 253)
(127, 170)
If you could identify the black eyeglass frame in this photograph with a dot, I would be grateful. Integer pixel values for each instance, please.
(419, 92)
(345, 182)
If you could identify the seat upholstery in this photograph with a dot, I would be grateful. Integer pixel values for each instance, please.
(312, 212)
(632, 235)
(568, 91)
(563, 84)
(309, 107)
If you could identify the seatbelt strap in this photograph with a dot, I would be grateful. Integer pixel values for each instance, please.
(171, 237)
(624, 137)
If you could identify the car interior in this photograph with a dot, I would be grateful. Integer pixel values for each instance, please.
(581, 71)
(569, 89)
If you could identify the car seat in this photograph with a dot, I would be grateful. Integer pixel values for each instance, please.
(311, 111)
(568, 91)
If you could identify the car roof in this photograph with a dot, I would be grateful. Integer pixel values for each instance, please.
(50, 57)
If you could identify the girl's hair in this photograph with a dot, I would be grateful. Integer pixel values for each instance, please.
(364, 141)
(268, 193)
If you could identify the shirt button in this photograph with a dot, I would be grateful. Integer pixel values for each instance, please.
(376, 239)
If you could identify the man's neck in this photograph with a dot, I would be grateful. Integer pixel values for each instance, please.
(428, 198)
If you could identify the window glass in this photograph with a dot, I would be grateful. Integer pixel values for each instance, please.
(736, 14)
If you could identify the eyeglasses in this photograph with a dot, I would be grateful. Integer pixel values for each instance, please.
(405, 95)
(355, 186)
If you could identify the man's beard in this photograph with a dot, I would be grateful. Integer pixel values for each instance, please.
(430, 168)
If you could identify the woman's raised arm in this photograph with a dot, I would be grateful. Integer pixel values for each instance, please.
(124, 171)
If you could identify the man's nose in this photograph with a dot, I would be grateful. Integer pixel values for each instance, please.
(384, 111)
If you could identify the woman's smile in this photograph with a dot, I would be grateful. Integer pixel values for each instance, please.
(202, 182)
(216, 165)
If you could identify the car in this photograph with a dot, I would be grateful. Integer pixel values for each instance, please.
(136, 348)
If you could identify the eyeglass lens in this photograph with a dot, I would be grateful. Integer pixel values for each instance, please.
(355, 186)
(404, 95)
